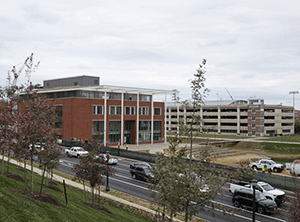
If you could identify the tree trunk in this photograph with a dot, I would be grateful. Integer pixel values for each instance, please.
(186, 219)
(31, 184)
(84, 191)
(25, 174)
(93, 197)
(2, 165)
(42, 181)
(7, 167)
(99, 195)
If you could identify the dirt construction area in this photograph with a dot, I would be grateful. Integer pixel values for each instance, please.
(244, 152)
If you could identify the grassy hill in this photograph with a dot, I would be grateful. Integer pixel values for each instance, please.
(16, 205)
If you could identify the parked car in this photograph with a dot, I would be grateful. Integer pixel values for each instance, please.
(111, 160)
(134, 164)
(141, 170)
(264, 188)
(244, 198)
(268, 164)
(76, 152)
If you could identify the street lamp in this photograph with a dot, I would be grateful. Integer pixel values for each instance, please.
(254, 183)
(107, 189)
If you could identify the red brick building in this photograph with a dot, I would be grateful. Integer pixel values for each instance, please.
(111, 114)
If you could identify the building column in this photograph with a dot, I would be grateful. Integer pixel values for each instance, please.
(152, 110)
(137, 118)
(238, 121)
(219, 120)
(122, 119)
(165, 123)
(105, 118)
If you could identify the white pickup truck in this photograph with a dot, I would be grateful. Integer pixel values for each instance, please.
(269, 164)
(76, 152)
(266, 189)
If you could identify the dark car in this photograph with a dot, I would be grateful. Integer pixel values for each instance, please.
(244, 198)
(140, 170)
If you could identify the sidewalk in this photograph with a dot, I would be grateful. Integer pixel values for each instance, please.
(118, 202)
(152, 148)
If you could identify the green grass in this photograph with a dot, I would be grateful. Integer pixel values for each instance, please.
(287, 138)
(15, 207)
(281, 148)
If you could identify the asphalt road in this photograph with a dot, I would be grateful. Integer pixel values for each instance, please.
(123, 182)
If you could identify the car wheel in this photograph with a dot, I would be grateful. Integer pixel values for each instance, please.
(260, 209)
(236, 203)
(133, 176)
(275, 170)
(254, 167)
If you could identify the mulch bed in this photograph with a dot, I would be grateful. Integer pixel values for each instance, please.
(15, 177)
(45, 197)
(98, 207)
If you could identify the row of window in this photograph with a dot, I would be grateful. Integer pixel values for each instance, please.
(115, 131)
(98, 95)
(129, 110)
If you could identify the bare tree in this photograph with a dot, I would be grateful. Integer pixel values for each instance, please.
(92, 169)
(36, 118)
(180, 182)
(7, 125)
(293, 211)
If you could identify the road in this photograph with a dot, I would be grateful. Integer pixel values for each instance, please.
(123, 182)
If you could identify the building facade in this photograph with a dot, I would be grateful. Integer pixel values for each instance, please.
(235, 117)
(111, 114)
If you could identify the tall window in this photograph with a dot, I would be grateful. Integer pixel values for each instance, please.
(98, 130)
(59, 116)
(157, 111)
(144, 110)
(98, 110)
(114, 131)
(115, 110)
(157, 130)
(145, 131)
(129, 110)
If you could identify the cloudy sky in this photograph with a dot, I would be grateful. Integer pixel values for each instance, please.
(252, 47)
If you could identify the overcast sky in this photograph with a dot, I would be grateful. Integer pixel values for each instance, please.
(252, 47)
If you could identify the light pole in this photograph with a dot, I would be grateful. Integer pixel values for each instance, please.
(254, 183)
(294, 92)
(107, 189)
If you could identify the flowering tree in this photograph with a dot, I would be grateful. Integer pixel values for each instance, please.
(36, 118)
(92, 169)
(7, 125)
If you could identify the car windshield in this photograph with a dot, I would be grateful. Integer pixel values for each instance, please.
(272, 162)
(267, 187)
(259, 196)
(80, 149)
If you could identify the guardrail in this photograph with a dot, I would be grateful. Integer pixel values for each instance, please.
(279, 181)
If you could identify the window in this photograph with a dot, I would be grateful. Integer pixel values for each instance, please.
(157, 111)
(98, 110)
(114, 131)
(253, 125)
(59, 116)
(253, 117)
(144, 110)
(115, 110)
(98, 130)
(129, 110)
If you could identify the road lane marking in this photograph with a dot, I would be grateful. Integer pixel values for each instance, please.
(130, 184)
(263, 215)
